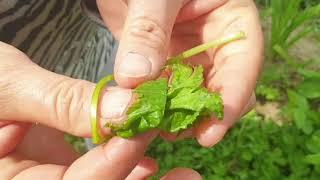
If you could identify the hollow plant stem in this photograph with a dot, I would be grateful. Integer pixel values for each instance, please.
(203, 47)
(97, 137)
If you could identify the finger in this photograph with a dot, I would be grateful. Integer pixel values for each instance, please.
(182, 173)
(209, 132)
(11, 135)
(39, 172)
(31, 94)
(115, 160)
(114, 14)
(235, 72)
(33, 171)
(145, 40)
(196, 8)
(145, 168)
(40, 141)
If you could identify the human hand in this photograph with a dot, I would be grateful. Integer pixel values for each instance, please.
(33, 99)
(151, 31)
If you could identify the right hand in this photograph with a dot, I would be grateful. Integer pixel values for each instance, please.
(151, 30)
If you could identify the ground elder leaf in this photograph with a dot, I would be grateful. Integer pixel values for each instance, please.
(171, 107)
(188, 100)
(147, 112)
(184, 77)
(179, 120)
(151, 107)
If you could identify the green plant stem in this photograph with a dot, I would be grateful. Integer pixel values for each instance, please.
(97, 137)
(201, 48)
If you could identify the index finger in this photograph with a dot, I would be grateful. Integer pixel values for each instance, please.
(114, 160)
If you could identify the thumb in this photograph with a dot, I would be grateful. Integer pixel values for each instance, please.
(31, 94)
(145, 39)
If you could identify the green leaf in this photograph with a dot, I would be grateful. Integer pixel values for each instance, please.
(188, 101)
(313, 144)
(191, 100)
(147, 112)
(297, 100)
(313, 159)
(310, 88)
(186, 78)
(186, 91)
(309, 73)
(300, 118)
(179, 120)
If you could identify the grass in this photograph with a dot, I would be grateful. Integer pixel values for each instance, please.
(254, 149)
(289, 23)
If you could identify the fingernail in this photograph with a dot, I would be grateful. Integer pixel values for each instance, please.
(115, 104)
(210, 133)
(135, 65)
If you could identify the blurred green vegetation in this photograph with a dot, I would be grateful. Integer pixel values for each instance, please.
(254, 149)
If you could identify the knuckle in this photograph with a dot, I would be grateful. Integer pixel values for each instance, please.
(67, 100)
(147, 31)
(5, 96)
(8, 88)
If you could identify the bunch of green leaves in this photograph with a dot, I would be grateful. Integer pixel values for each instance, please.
(173, 107)
(170, 107)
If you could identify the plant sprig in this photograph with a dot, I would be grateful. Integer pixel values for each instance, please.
(97, 136)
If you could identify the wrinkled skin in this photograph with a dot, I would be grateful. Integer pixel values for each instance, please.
(37, 105)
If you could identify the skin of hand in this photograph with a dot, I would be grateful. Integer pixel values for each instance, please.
(37, 106)
(151, 31)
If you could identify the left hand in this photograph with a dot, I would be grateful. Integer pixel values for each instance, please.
(158, 29)
(38, 106)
